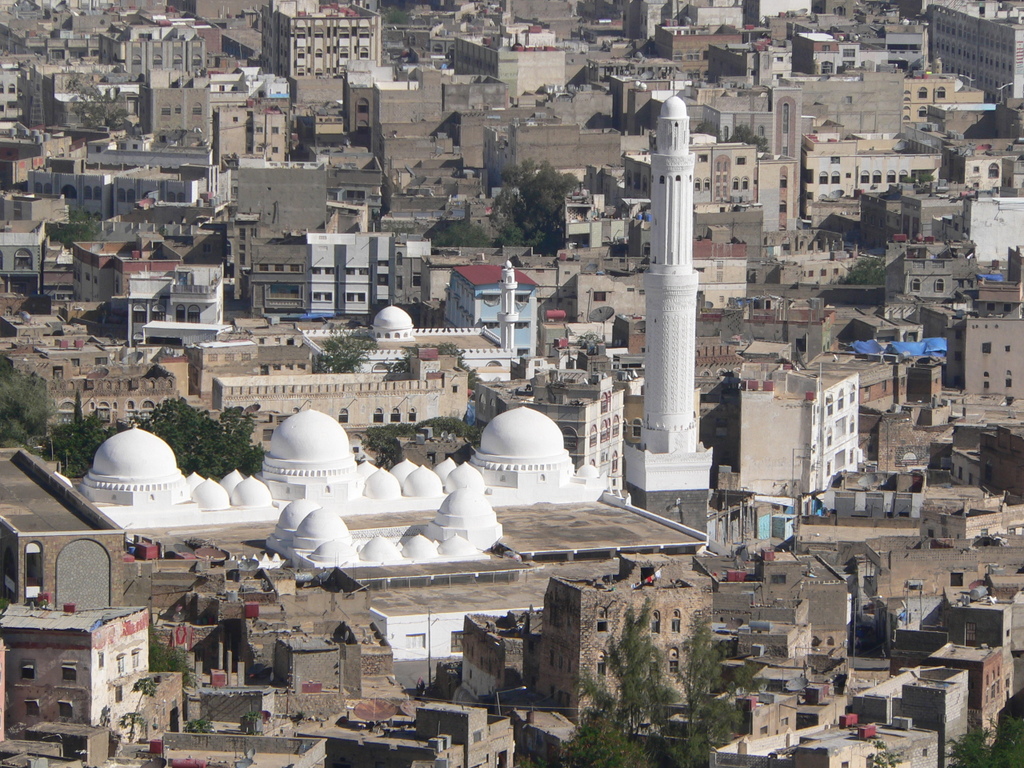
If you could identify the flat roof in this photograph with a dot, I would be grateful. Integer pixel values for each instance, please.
(84, 620)
(30, 507)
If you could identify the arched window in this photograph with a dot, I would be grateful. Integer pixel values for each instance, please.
(760, 131)
(922, 93)
(378, 416)
(97, 193)
(343, 416)
(836, 178)
(876, 177)
(120, 196)
(707, 184)
(904, 175)
(915, 284)
(87, 192)
(823, 178)
(827, 68)
(673, 661)
(785, 118)
(33, 568)
(602, 665)
(661, 179)
(940, 285)
(922, 111)
(412, 416)
(193, 314)
(615, 462)
(890, 177)
(593, 436)
(993, 171)
(130, 196)
(940, 93)
(396, 416)
(745, 184)
(638, 426)
(179, 313)
(656, 622)
(677, 621)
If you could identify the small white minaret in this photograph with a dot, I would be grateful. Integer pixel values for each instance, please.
(669, 472)
(508, 315)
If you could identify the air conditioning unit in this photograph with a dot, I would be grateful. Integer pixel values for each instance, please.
(903, 723)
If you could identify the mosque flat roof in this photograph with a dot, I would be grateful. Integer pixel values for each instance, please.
(30, 507)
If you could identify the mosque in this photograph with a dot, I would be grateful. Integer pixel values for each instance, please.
(310, 484)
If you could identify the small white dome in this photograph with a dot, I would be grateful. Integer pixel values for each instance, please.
(443, 469)
(465, 476)
(135, 456)
(251, 493)
(403, 469)
(522, 433)
(230, 480)
(319, 526)
(457, 546)
(422, 483)
(293, 514)
(210, 495)
(674, 108)
(465, 508)
(334, 553)
(382, 485)
(419, 547)
(392, 319)
(194, 480)
(365, 469)
(309, 436)
(380, 550)
(588, 472)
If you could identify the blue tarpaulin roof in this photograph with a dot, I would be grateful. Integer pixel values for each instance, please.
(993, 278)
(933, 347)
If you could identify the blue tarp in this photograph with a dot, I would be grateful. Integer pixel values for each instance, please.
(993, 278)
(933, 347)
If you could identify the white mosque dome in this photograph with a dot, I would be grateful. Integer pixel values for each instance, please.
(382, 485)
(465, 476)
(135, 456)
(422, 483)
(309, 436)
(522, 435)
(380, 550)
(292, 516)
(674, 108)
(457, 546)
(392, 319)
(465, 508)
(588, 472)
(251, 493)
(194, 480)
(318, 527)
(230, 480)
(210, 495)
(403, 469)
(365, 469)
(443, 469)
(334, 552)
(419, 547)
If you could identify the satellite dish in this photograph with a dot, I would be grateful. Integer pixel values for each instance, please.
(601, 314)
(375, 710)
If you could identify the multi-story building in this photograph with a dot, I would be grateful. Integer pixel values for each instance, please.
(140, 48)
(980, 41)
(938, 90)
(474, 298)
(523, 69)
(302, 38)
(21, 257)
(587, 408)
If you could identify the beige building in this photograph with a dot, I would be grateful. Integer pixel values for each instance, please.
(251, 131)
(523, 70)
(919, 93)
(301, 38)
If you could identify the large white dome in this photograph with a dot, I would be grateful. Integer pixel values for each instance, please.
(392, 319)
(465, 476)
(674, 108)
(419, 547)
(522, 435)
(380, 550)
(309, 436)
(251, 493)
(319, 527)
(210, 495)
(382, 485)
(334, 553)
(135, 456)
(422, 483)
(293, 514)
(465, 508)
(457, 546)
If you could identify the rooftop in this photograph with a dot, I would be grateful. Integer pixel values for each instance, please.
(84, 620)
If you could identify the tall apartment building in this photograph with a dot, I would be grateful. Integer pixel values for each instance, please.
(983, 41)
(140, 48)
(302, 38)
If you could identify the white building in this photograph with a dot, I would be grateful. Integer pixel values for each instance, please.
(668, 467)
(983, 41)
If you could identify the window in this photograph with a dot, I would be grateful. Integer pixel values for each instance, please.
(416, 641)
(457, 641)
(677, 622)
(986, 347)
(121, 664)
(600, 296)
(915, 284)
(378, 416)
(28, 670)
(100, 659)
(602, 625)
(136, 654)
(956, 579)
(656, 622)
(940, 285)
(993, 171)
(602, 665)
(673, 661)
(65, 710)
(396, 416)
(970, 633)
(343, 416)
(32, 707)
(69, 673)
(778, 578)
(118, 693)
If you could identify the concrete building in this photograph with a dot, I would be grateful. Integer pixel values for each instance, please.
(301, 38)
(474, 301)
(140, 48)
(21, 257)
(524, 69)
(980, 41)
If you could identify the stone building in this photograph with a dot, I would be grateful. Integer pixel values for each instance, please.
(493, 652)
(302, 38)
(582, 618)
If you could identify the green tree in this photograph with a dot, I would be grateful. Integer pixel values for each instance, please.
(343, 352)
(867, 270)
(711, 719)
(706, 127)
(211, 447)
(634, 691)
(530, 209)
(597, 743)
(132, 722)
(396, 17)
(199, 725)
(404, 364)
(165, 658)
(25, 407)
(745, 135)
(1002, 747)
(76, 442)
(385, 443)
(80, 227)
(884, 757)
(462, 234)
(97, 108)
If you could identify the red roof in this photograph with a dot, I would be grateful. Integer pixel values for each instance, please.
(490, 274)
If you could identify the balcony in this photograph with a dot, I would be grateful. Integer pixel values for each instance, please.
(194, 290)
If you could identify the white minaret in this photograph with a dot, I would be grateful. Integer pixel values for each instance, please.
(669, 472)
(508, 315)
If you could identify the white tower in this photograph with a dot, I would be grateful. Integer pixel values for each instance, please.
(669, 472)
(508, 315)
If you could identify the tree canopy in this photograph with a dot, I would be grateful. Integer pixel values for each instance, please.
(25, 407)
(867, 270)
(462, 234)
(74, 443)
(211, 447)
(530, 209)
(746, 135)
(343, 352)
(96, 107)
(1002, 747)
(81, 226)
